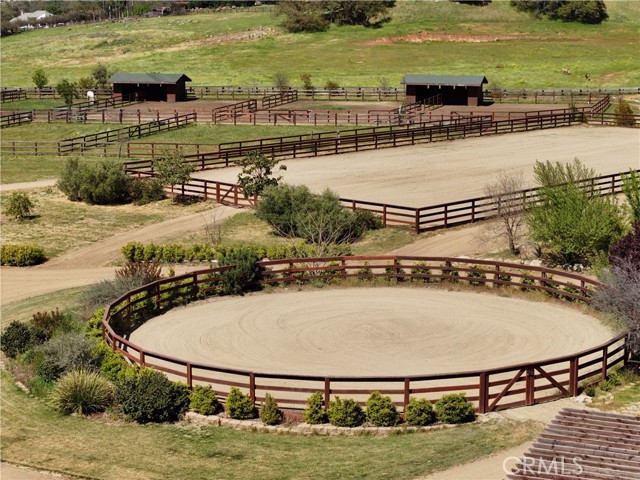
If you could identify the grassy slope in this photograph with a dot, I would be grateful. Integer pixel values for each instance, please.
(179, 44)
(36, 436)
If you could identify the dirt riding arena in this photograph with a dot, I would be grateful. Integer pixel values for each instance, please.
(369, 332)
(441, 172)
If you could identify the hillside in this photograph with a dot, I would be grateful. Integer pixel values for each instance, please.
(248, 47)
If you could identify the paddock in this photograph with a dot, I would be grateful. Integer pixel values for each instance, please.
(430, 174)
(384, 331)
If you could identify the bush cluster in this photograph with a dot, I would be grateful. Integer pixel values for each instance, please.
(314, 412)
(381, 411)
(455, 408)
(66, 352)
(147, 395)
(245, 272)
(345, 413)
(419, 412)
(102, 183)
(19, 206)
(16, 339)
(239, 406)
(82, 392)
(145, 190)
(21, 255)
(203, 400)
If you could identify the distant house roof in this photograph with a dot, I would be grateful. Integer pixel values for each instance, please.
(457, 80)
(148, 78)
(37, 15)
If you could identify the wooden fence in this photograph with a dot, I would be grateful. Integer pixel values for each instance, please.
(234, 110)
(15, 119)
(491, 389)
(12, 95)
(280, 98)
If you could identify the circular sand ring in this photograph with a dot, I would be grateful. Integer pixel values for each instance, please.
(357, 340)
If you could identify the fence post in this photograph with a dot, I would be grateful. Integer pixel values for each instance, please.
(605, 363)
(327, 392)
(189, 376)
(530, 387)
(417, 221)
(573, 376)
(407, 392)
(142, 360)
(483, 393)
(252, 387)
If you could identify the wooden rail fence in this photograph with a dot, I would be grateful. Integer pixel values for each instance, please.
(489, 389)
(15, 119)
(12, 95)
(280, 98)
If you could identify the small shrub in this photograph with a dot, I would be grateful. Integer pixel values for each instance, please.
(20, 255)
(148, 396)
(93, 327)
(476, 272)
(345, 413)
(526, 282)
(19, 206)
(46, 324)
(82, 392)
(332, 86)
(451, 274)
(420, 268)
(270, 413)
(455, 408)
(381, 411)
(239, 406)
(245, 273)
(624, 114)
(315, 413)
(146, 271)
(589, 390)
(419, 412)
(203, 400)
(146, 190)
(66, 352)
(112, 364)
(615, 379)
(102, 183)
(16, 339)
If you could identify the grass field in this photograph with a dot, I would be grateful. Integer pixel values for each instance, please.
(36, 436)
(200, 46)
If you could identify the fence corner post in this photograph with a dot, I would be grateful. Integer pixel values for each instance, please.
(483, 393)
(327, 392)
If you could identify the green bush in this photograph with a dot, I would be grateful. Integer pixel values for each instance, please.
(203, 400)
(526, 282)
(66, 352)
(270, 413)
(345, 413)
(102, 183)
(149, 396)
(112, 364)
(146, 190)
(245, 273)
(314, 412)
(419, 412)
(381, 411)
(93, 326)
(589, 390)
(48, 324)
(476, 272)
(19, 206)
(455, 408)
(21, 255)
(16, 339)
(625, 116)
(239, 406)
(82, 392)
(420, 268)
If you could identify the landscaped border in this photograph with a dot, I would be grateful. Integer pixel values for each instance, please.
(490, 389)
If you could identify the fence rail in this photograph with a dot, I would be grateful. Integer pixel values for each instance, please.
(15, 119)
(280, 98)
(489, 389)
(12, 95)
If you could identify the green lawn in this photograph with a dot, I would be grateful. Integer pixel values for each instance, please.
(35, 436)
(534, 58)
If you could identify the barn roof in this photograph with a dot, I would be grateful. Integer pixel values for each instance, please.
(584, 444)
(457, 80)
(148, 78)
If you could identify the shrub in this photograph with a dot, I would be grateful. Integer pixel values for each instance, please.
(93, 326)
(590, 390)
(148, 396)
(381, 411)
(419, 412)
(239, 406)
(112, 365)
(345, 413)
(270, 413)
(203, 400)
(450, 273)
(103, 183)
(625, 114)
(66, 352)
(82, 392)
(315, 413)
(420, 268)
(243, 275)
(146, 190)
(257, 173)
(526, 281)
(17, 338)
(455, 408)
(476, 272)
(332, 86)
(19, 255)
(19, 206)
(47, 324)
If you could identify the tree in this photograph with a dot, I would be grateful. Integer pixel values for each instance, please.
(257, 173)
(40, 78)
(358, 12)
(506, 195)
(171, 169)
(631, 190)
(100, 74)
(281, 81)
(19, 206)
(624, 114)
(573, 223)
(302, 15)
(67, 90)
(582, 11)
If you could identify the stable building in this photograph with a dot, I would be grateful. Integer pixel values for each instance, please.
(455, 89)
(154, 87)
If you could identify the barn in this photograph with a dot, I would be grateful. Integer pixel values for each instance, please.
(155, 87)
(455, 89)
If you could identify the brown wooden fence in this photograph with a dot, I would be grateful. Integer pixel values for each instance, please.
(280, 98)
(234, 110)
(15, 119)
(12, 95)
(490, 389)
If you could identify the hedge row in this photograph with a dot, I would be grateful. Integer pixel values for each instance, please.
(179, 253)
(19, 255)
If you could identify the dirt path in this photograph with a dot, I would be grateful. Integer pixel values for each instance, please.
(12, 187)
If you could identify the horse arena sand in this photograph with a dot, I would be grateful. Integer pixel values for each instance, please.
(375, 331)
(429, 174)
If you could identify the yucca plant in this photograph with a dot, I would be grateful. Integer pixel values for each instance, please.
(82, 392)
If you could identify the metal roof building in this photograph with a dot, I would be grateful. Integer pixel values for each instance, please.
(159, 87)
(455, 89)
